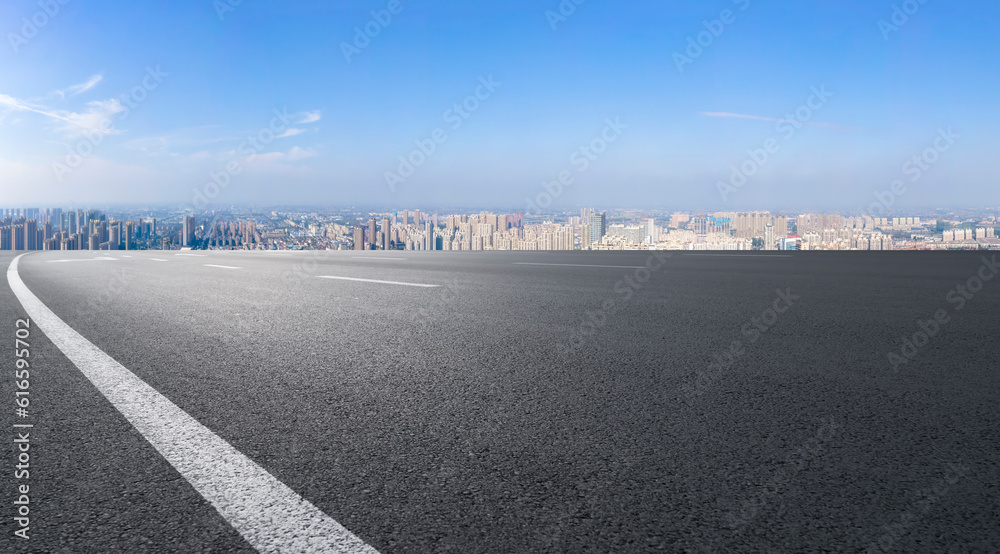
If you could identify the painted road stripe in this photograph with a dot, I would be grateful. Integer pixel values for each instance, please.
(82, 260)
(584, 265)
(269, 515)
(158, 259)
(744, 255)
(193, 255)
(374, 258)
(222, 266)
(378, 281)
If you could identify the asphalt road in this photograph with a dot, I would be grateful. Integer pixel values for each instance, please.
(530, 402)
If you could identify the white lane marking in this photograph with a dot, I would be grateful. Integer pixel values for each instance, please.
(82, 260)
(374, 258)
(126, 256)
(222, 266)
(193, 255)
(158, 259)
(743, 255)
(584, 265)
(377, 281)
(269, 515)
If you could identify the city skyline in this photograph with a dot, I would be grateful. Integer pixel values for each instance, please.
(412, 229)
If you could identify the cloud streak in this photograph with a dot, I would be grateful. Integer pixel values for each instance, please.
(310, 117)
(730, 115)
(97, 117)
(84, 87)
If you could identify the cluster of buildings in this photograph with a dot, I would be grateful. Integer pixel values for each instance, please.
(55, 229)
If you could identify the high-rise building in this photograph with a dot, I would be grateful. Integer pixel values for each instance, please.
(770, 242)
(187, 231)
(359, 238)
(386, 233)
(31, 234)
(115, 235)
(429, 236)
(371, 233)
(129, 235)
(598, 226)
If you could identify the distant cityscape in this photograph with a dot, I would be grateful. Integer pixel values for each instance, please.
(354, 229)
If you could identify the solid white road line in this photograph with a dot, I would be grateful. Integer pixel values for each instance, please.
(269, 515)
(584, 265)
(82, 260)
(377, 281)
(222, 266)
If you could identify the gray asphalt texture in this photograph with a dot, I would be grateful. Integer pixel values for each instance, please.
(455, 419)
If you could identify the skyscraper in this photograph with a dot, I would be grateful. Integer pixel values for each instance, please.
(598, 226)
(129, 235)
(386, 233)
(187, 232)
(31, 235)
(359, 238)
(371, 233)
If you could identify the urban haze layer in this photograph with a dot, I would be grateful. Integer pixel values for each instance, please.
(310, 228)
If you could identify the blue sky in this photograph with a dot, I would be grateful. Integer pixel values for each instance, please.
(348, 119)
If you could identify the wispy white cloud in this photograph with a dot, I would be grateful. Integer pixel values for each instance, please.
(291, 132)
(730, 115)
(97, 117)
(310, 117)
(301, 153)
(84, 87)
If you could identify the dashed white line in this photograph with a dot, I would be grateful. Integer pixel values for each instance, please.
(584, 265)
(193, 255)
(268, 514)
(82, 260)
(743, 255)
(157, 259)
(378, 281)
(222, 266)
(374, 258)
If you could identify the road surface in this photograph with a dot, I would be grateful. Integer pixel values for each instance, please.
(507, 402)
